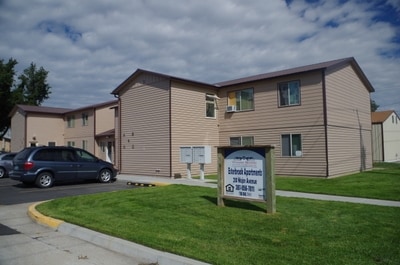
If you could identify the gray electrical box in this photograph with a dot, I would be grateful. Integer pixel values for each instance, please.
(202, 154)
(186, 154)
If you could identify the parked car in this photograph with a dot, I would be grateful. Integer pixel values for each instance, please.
(6, 163)
(46, 165)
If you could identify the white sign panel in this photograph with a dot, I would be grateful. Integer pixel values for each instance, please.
(245, 175)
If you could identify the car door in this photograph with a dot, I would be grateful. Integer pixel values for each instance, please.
(65, 165)
(87, 165)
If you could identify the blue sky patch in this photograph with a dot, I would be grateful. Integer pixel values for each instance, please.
(61, 29)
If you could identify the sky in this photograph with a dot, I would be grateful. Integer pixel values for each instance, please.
(90, 47)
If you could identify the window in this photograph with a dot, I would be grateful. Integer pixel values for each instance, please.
(291, 145)
(84, 144)
(51, 143)
(85, 118)
(241, 140)
(241, 99)
(70, 143)
(210, 105)
(289, 93)
(71, 121)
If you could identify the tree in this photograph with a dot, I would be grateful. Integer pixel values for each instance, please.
(31, 89)
(374, 106)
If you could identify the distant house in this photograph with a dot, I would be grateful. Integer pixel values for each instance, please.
(90, 127)
(6, 142)
(318, 117)
(385, 136)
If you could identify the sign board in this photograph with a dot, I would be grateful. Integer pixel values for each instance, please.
(247, 173)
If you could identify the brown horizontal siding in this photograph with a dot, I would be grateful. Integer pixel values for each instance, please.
(145, 127)
(311, 163)
(349, 150)
(267, 114)
(348, 100)
(349, 122)
(191, 127)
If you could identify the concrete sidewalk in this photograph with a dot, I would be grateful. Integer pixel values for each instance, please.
(163, 258)
(210, 183)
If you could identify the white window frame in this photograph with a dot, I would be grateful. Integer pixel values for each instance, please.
(292, 152)
(240, 140)
(210, 101)
(238, 101)
(288, 85)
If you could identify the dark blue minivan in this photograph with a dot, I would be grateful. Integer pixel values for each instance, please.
(46, 165)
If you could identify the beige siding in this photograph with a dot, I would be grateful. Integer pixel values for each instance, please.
(104, 119)
(349, 150)
(44, 128)
(145, 134)
(80, 132)
(18, 127)
(191, 127)
(268, 122)
(349, 122)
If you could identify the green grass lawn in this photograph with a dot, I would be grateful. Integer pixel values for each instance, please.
(187, 221)
(381, 183)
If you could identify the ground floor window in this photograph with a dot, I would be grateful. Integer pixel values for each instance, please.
(84, 144)
(70, 143)
(291, 145)
(241, 140)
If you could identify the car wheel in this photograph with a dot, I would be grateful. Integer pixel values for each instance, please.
(2, 172)
(105, 175)
(45, 180)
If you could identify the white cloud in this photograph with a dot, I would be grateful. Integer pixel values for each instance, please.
(89, 47)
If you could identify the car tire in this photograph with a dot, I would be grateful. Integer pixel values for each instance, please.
(105, 175)
(2, 172)
(44, 180)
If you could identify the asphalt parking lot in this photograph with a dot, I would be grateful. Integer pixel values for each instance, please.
(14, 192)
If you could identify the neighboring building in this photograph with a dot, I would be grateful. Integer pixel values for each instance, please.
(90, 127)
(317, 116)
(6, 142)
(385, 136)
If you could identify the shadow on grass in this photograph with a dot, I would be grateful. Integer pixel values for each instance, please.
(245, 205)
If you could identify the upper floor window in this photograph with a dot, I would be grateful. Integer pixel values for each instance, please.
(241, 100)
(289, 93)
(71, 121)
(291, 145)
(241, 140)
(210, 105)
(85, 118)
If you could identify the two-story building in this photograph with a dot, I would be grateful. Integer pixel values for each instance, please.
(90, 127)
(317, 116)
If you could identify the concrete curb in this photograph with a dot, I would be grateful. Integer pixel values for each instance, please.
(127, 248)
(42, 219)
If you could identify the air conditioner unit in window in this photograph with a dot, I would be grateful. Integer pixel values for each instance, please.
(231, 108)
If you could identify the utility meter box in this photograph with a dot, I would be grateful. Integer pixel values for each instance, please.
(202, 154)
(186, 154)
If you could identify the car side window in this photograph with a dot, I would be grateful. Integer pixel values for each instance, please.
(68, 155)
(85, 156)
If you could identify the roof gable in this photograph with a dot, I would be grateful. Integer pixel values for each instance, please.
(139, 71)
(381, 116)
